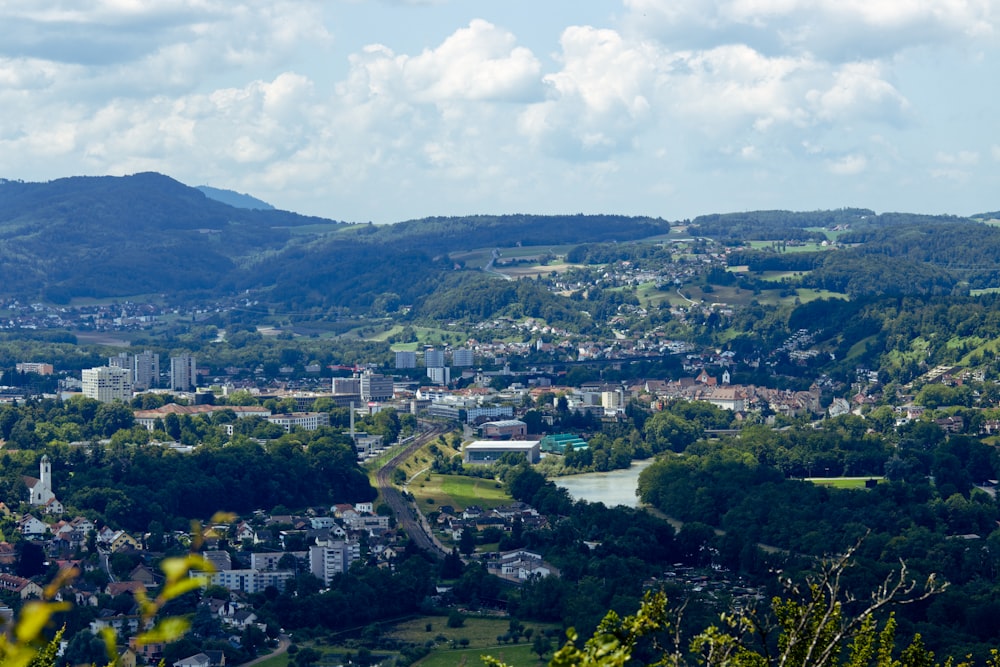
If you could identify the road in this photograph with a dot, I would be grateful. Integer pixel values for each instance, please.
(283, 644)
(406, 516)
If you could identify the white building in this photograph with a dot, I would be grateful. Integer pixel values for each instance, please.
(332, 558)
(106, 383)
(439, 374)
(146, 370)
(490, 451)
(309, 421)
(40, 489)
(183, 373)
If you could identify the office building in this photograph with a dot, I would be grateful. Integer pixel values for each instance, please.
(376, 387)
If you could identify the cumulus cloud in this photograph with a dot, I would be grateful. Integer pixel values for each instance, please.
(478, 63)
(611, 90)
(838, 29)
(136, 47)
(599, 99)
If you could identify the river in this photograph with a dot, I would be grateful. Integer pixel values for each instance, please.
(615, 487)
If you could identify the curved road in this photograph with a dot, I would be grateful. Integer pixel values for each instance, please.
(406, 516)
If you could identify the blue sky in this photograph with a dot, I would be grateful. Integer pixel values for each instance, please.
(387, 111)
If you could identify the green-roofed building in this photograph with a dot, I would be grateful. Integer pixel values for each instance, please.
(557, 443)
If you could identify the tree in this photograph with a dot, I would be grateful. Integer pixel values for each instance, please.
(805, 629)
(467, 541)
(455, 619)
(541, 644)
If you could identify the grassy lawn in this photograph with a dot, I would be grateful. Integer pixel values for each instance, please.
(648, 294)
(515, 656)
(807, 295)
(481, 634)
(843, 482)
(433, 490)
(423, 457)
(276, 661)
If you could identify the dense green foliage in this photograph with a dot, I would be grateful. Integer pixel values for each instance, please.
(742, 486)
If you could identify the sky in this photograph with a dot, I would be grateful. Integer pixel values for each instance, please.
(388, 110)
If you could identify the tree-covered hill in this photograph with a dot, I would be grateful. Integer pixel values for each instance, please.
(111, 236)
(147, 233)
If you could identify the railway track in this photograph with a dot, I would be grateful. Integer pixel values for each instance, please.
(408, 517)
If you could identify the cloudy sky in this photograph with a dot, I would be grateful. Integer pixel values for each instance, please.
(385, 111)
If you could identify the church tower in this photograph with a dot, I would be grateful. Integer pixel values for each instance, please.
(41, 491)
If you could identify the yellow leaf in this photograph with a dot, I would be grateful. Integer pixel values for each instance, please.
(166, 631)
(34, 616)
(179, 588)
(223, 517)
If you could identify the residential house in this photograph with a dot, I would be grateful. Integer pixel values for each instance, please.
(32, 527)
(196, 660)
(25, 588)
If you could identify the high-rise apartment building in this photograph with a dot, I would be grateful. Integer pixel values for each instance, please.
(146, 370)
(433, 358)
(462, 357)
(406, 359)
(107, 383)
(183, 373)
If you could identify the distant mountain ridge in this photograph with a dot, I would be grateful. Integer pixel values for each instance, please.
(117, 236)
(150, 234)
(235, 199)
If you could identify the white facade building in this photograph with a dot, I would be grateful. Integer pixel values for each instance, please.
(332, 558)
(183, 373)
(146, 370)
(107, 383)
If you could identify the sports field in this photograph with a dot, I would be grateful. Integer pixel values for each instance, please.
(843, 482)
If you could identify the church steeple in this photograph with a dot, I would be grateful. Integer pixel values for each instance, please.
(45, 472)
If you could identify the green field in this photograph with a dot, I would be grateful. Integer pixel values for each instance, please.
(843, 482)
(806, 247)
(481, 634)
(515, 656)
(433, 490)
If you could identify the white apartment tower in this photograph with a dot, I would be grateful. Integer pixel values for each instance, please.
(183, 373)
(107, 383)
(146, 370)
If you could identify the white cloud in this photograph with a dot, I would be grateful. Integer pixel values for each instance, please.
(838, 29)
(599, 100)
(848, 165)
(478, 63)
(858, 90)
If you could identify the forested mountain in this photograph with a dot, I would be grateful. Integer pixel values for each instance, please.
(108, 236)
(147, 233)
